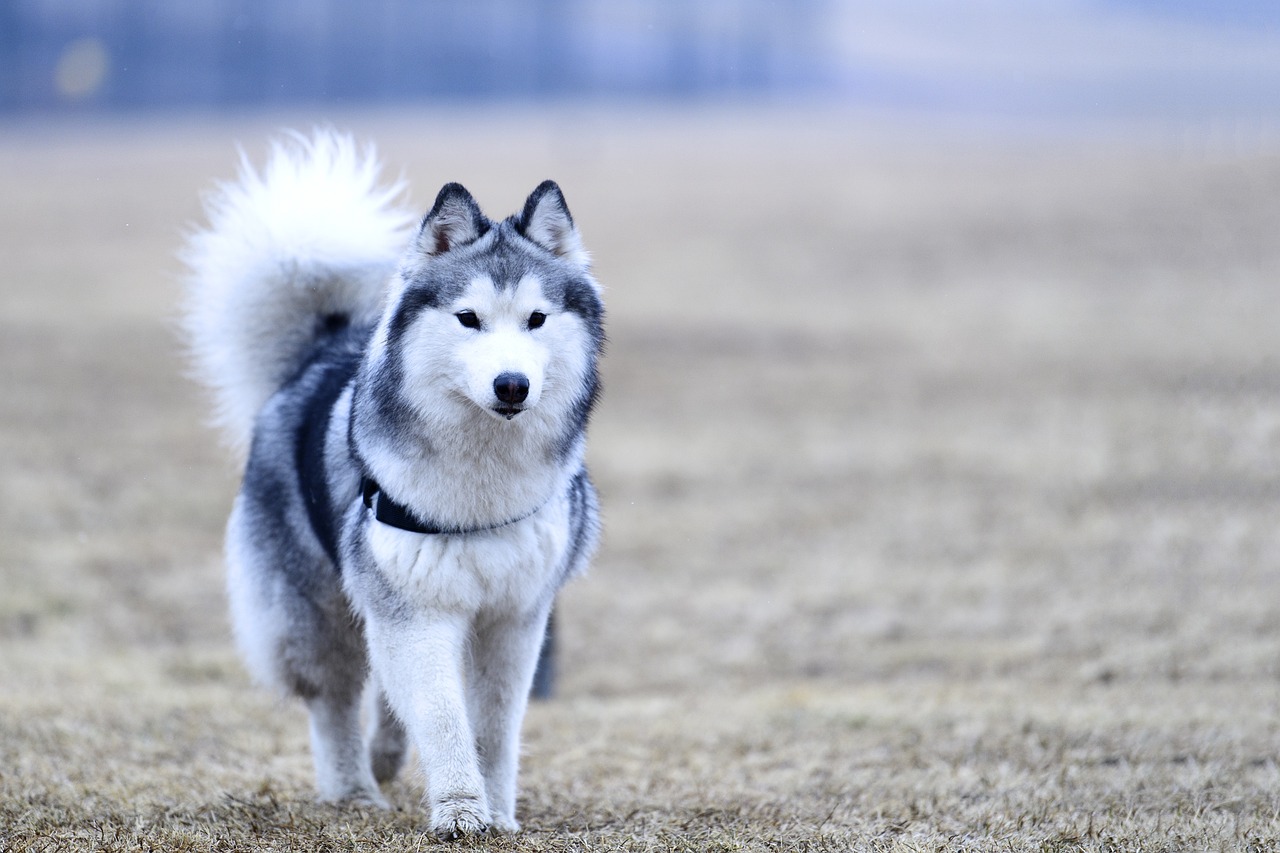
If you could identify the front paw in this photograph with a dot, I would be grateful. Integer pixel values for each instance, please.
(458, 816)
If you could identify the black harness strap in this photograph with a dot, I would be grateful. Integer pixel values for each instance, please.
(397, 515)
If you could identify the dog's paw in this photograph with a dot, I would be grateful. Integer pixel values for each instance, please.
(455, 817)
(372, 800)
(504, 826)
(360, 797)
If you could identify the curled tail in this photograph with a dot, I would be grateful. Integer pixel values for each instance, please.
(310, 240)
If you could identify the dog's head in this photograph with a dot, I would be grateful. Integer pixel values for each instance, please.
(504, 316)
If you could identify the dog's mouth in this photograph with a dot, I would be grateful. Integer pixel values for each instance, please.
(508, 412)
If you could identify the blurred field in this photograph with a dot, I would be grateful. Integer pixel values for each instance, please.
(941, 483)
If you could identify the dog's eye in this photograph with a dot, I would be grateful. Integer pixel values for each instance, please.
(468, 319)
(536, 319)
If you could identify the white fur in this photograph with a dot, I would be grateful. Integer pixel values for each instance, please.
(505, 569)
(505, 345)
(453, 369)
(312, 234)
(255, 637)
(455, 668)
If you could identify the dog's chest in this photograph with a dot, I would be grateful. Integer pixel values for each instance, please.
(510, 568)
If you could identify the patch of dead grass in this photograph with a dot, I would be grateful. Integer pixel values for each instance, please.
(939, 488)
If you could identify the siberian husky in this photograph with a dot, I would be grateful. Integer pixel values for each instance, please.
(411, 403)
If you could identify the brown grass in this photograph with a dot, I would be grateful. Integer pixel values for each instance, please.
(941, 486)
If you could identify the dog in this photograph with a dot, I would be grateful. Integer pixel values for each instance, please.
(411, 403)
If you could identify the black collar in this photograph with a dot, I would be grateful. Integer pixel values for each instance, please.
(397, 515)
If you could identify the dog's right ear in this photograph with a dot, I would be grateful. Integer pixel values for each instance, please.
(455, 220)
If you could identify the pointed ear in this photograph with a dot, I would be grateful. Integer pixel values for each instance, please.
(546, 221)
(455, 220)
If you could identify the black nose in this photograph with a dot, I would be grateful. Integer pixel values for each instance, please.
(511, 388)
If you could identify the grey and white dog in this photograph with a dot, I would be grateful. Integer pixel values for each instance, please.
(412, 403)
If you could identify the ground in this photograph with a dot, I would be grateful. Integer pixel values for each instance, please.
(940, 474)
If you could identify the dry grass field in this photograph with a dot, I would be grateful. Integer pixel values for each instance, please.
(941, 479)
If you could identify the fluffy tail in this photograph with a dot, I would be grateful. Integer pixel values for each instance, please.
(309, 241)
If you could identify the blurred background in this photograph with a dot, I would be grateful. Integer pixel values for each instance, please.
(940, 443)
(1176, 62)
(895, 275)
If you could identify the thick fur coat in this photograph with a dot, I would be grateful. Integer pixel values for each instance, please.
(411, 403)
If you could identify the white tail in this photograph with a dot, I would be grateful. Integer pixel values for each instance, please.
(312, 237)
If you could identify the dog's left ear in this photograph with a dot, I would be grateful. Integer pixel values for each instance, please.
(547, 222)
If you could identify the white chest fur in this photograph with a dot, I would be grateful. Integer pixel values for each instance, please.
(511, 568)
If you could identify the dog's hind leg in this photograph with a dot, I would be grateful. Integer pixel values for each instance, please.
(387, 740)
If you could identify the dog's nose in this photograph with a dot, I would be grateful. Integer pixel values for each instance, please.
(511, 388)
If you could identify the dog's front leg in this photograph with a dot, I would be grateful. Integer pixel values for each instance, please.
(418, 660)
(505, 656)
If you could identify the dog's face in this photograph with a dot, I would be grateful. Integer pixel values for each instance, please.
(500, 317)
(501, 344)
